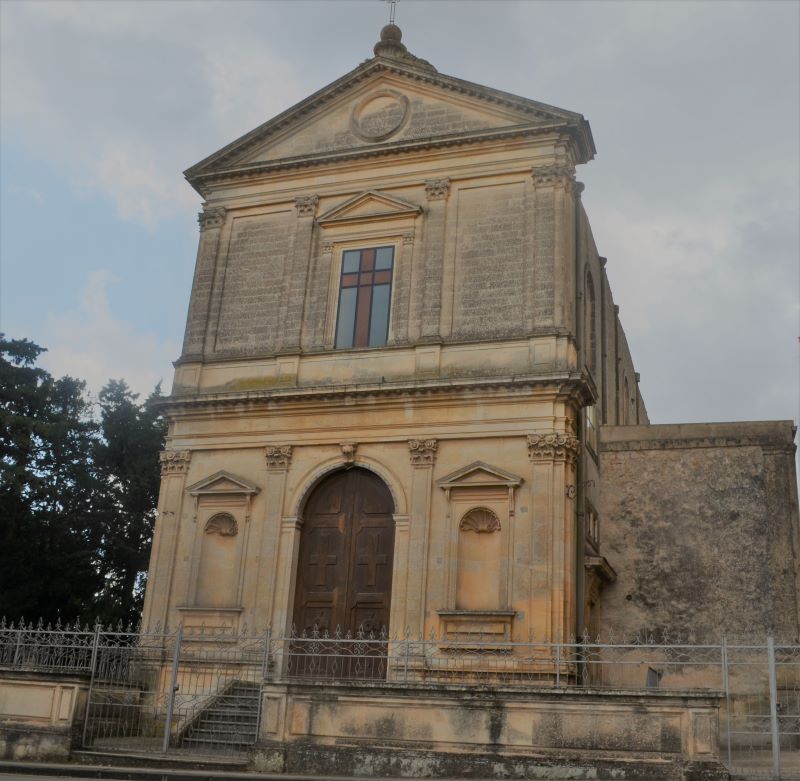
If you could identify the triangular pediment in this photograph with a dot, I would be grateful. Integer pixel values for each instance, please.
(479, 474)
(386, 103)
(368, 205)
(223, 482)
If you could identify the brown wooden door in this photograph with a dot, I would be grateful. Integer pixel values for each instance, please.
(344, 577)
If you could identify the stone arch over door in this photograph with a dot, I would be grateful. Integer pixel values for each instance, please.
(344, 570)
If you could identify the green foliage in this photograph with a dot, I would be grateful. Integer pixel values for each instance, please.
(77, 495)
(126, 464)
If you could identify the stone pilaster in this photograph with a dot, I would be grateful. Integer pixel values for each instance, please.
(174, 468)
(402, 287)
(422, 456)
(436, 191)
(278, 459)
(211, 225)
(554, 242)
(553, 456)
(296, 279)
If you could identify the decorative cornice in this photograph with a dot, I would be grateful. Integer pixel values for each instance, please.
(554, 174)
(422, 451)
(211, 218)
(306, 205)
(553, 446)
(560, 382)
(437, 189)
(539, 111)
(201, 180)
(278, 457)
(174, 462)
(349, 451)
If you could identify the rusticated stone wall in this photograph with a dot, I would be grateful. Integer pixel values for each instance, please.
(700, 522)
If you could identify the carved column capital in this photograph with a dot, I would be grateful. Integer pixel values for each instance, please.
(563, 175)
(327, 247)
(408, 237)
(174, 462)
(211, 218)
(306, 205)
(422, 452)
(437, 189)
(553, 446)
(349, 451)
(278, 457)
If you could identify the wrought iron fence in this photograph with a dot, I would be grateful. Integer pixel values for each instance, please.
(199, 691)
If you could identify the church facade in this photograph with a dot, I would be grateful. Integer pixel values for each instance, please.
(400, 346)
(402, 384)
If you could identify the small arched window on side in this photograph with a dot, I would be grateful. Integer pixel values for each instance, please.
(626, 402)
(591, 325)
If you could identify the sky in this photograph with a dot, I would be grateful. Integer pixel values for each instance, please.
(693, 196)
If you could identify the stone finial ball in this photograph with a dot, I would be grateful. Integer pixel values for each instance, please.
(391, 33)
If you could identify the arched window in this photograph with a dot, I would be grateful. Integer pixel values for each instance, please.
(626, 402)
(591, 324)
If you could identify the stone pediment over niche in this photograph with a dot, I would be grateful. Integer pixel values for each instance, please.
(385, 104)
(479, 475)
(369, 205)
(223, 483)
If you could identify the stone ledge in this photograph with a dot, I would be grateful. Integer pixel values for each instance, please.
(772, 435)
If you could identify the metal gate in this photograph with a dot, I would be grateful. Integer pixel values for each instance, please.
(761, 719)
(196, 693)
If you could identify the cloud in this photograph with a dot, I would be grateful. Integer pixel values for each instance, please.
(124, 96)
(92, 344)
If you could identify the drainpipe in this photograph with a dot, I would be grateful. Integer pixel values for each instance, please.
(580, 467)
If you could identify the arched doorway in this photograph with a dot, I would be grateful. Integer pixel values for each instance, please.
(344, 571)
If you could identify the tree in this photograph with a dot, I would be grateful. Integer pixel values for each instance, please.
(77, 494)
(127, 470)
(48, 537)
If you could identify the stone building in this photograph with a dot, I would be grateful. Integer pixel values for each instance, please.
(406, 400)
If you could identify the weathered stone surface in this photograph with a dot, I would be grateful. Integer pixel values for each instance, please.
(254, 268)
(700, 523)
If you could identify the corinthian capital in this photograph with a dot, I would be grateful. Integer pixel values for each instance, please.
(553, 446)
(211, 218)
(437, 189)
(554, 174)
(306, 205)
(278, 457)
(174, 462)
(422, 451)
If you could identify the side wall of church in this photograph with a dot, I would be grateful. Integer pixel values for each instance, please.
(607, 356)
(700, 521)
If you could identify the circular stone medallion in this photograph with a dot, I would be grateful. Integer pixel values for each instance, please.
(379, 115)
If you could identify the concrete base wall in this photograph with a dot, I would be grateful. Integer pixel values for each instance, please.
(41, 714)
(417, 731)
